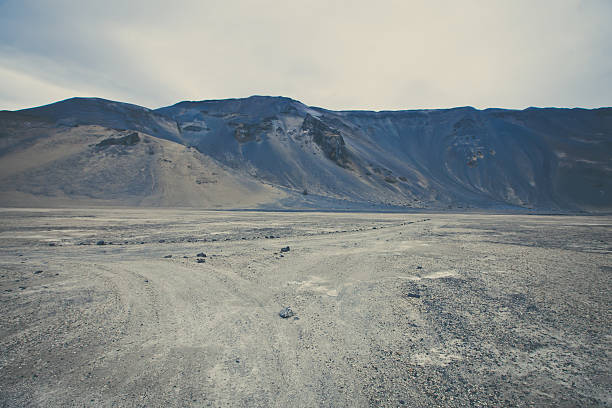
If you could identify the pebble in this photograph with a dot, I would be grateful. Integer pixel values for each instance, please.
(286, 312)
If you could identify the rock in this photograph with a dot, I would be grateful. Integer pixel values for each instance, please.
(285, 249)
(413, 295)
(129, 140)
(328, 139)
(201, 255)
(100, 242)
(200, 260)
(286, 313)
(419, 267)
(37, 272)
(168, 256)
(161, 241)
(52, 244)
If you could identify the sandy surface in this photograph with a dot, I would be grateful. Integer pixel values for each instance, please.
(392, 309)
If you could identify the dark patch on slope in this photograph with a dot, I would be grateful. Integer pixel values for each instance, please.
(328, 139)
(129, 140)
(247, 132)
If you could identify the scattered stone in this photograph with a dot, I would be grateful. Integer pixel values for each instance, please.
(200, 260)
(146, 281)
(101, 242)
(168, 256)
(413, 295)
(419, 267)
(161, 241)
(37, 272)
(22, 287)
(52, 244)
(201, 255)
(286, 313)
(285, 249)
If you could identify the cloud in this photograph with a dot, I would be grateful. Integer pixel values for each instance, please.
(336, 54)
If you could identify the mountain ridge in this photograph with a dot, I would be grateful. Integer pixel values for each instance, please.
(548, 159)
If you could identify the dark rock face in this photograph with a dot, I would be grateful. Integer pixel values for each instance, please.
(328, 139)
(129, 140)
(248, 132)
(285, 249)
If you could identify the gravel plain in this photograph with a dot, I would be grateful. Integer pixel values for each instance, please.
(415, 310)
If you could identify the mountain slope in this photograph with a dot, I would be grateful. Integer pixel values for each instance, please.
(275, 152)
(537, 158)
(92, 165)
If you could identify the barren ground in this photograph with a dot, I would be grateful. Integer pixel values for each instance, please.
(392, 309)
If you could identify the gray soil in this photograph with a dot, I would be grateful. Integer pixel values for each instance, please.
(389, 309)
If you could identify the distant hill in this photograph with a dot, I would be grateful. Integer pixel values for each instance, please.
(275, 152)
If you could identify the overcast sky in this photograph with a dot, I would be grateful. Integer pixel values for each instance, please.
(335, 54)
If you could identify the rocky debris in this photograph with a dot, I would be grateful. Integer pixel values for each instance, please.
(168, 256)
(286, 313)
(247, 132)
(419, 267)
(200, 260)
(328, 139)
(101, 242)
(161, 241)
(52, 244)
(413, 295)
(129, 140)
(285, 249)
(390, 179)
(37, 272)
(201, 255)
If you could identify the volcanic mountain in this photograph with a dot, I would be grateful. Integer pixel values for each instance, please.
(277, 153)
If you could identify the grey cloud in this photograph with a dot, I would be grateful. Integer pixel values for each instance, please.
(335, 54)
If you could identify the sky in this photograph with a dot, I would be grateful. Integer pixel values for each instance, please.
(375, 55)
